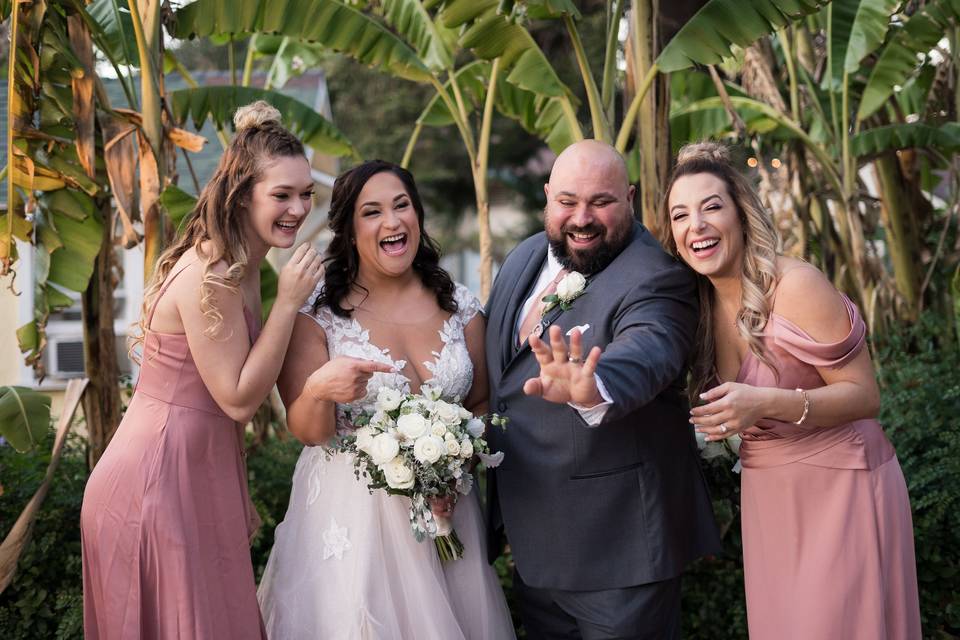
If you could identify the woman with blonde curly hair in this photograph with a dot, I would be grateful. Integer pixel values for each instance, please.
(827, 532)
(166, 517)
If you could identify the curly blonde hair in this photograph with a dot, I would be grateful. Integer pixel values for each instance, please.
(761, 245)
(217, 219)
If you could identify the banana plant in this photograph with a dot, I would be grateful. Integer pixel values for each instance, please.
(868, 43)
(419, 42)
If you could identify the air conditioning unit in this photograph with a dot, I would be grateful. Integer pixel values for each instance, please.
(65, 357)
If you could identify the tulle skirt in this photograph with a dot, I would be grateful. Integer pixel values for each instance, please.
(345, 565)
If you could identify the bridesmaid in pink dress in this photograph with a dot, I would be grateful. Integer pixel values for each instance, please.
(166, 517)
(827, 532)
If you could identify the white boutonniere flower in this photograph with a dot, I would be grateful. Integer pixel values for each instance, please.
(569, 288)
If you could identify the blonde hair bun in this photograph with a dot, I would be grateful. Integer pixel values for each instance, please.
(255, 115)
(712, 151)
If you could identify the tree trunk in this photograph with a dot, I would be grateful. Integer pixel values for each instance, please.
(101, 402)
(653, 118)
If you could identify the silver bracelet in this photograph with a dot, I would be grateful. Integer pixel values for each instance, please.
(806, 406)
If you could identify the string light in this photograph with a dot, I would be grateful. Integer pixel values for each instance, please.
(751, 162)
(775, 163)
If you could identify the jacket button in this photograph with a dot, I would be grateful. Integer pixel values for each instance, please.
(501, 406)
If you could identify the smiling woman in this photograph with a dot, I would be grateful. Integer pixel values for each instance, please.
(166, 517)
(781, 361)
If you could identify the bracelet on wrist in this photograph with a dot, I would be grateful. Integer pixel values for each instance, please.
(806, 406)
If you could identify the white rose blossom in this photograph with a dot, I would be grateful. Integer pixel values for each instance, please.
(388, 399)
(398, 474)
(412, 425)
(428, 449)
(571, 286)
(466, 448)
(439, 429)
(465, 414)
(446, 412)
(453, 447)
(384, 448)
(365, 438)
(475, 428)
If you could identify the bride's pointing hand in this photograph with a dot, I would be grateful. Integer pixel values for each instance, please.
(343, 379)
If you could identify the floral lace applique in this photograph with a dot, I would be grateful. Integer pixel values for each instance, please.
(451, 371)
(335, 541)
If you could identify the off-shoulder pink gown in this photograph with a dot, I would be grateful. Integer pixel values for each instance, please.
(165, 521)
(827, 532)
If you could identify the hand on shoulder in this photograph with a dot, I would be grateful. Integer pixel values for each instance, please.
(808, 299)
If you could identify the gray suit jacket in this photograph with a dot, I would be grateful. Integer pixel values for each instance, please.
(623, 503)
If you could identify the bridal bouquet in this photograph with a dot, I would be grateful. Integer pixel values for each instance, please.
(420, 446)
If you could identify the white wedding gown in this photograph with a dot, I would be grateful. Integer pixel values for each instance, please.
(345, 564)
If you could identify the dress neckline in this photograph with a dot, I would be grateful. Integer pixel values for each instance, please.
(400, 365)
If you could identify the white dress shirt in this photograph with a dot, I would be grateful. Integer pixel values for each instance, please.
(593, 416)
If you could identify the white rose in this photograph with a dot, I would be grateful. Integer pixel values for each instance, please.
(439, 429)
(446, 412)
(453, 447)
(571, 285)
(365, 438)
(398, 474)
(466, 448)
(412, 425)
(428, 449)
(475, 427)
(465, 414)
(384, 448)
(388, 399)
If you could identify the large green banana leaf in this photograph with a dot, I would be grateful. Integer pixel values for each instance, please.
(116, 28)
(709, 35)
(898, 60)
(333, 24)
(24, 417)
(431, 40)
(456, 13)
(542, 116)
(493, 36)
(857, 29)
(220, 103)
(915, 135)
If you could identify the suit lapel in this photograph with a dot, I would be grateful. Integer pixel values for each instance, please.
(521, 291)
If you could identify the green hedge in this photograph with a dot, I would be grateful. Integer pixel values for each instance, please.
(920, 378)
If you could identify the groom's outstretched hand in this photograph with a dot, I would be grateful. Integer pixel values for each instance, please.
(565, 376)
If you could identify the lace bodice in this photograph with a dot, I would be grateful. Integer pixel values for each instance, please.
(451, 368)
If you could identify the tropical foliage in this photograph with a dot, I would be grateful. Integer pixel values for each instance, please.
(846, 111)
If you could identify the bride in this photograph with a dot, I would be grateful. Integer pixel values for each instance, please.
(345, 564)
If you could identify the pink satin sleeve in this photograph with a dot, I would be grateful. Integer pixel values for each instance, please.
(798, 343)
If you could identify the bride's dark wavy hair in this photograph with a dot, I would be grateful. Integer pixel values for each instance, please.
(343, 262)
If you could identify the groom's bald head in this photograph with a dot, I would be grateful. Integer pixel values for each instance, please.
(589, 216)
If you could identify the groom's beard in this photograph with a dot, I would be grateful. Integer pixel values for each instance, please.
(593, 260)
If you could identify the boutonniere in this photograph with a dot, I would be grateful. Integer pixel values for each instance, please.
(569, 288)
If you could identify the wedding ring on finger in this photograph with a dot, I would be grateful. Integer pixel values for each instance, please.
(723, 428)
(574, 360)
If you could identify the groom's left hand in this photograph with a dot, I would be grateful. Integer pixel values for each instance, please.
(564, 375)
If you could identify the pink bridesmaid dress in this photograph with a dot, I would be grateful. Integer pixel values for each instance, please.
(166, 520)
(827, 532)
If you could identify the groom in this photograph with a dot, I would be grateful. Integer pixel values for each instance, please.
(600, 493)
